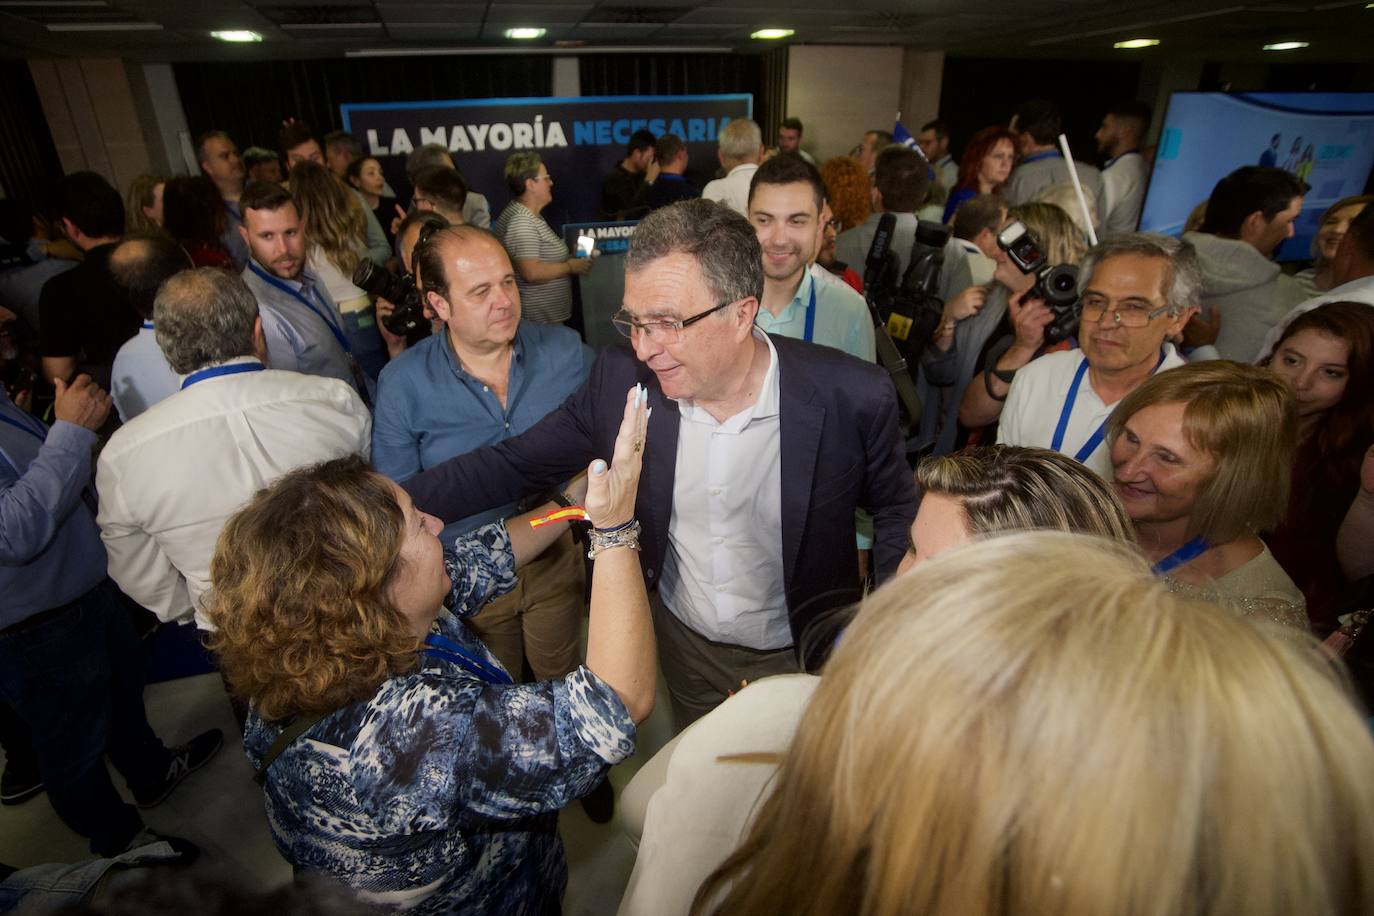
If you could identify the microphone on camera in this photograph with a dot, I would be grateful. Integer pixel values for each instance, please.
(878, 251)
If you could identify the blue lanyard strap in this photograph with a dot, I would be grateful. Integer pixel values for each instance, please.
(1189, 551)
(201, 375)
(445, 649)
(1090, 446)
(319, 310)
(811, 312)
(147, 325)
(31, 430)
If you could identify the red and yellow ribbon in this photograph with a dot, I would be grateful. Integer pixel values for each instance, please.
(569, 514)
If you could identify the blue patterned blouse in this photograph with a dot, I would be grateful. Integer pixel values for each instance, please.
(440, 794)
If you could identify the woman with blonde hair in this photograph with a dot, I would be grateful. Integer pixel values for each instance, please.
(1033, 724)
(1331, 228)
(1201, 457)
(335, 227)
(143, 206)
(691, 809)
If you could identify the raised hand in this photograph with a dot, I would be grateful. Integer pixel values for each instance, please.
(611, 490)
(82, 402)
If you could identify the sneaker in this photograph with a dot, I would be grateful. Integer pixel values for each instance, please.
(599, 803)
(186, 851)
(186, 759)
(18, 784)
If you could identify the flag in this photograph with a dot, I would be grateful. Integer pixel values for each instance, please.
(902, 136)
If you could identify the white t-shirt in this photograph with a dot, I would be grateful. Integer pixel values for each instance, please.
(1036, 400)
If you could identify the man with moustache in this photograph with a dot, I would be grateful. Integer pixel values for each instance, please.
(1137, 291)
(759, 450)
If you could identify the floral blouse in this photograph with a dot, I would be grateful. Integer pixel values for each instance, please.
(441, 793)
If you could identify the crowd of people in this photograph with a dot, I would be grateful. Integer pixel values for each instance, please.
(443, 552)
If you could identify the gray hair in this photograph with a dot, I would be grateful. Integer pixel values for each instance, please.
(740, 139)
(204, 316)
(1184, 285)
(721, 241)
(424, 157)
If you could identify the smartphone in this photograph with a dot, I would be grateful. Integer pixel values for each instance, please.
(585, 246)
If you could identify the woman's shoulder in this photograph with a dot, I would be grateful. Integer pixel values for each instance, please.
(1261, 576)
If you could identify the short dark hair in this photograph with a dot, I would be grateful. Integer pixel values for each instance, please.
(884, 137)
(444, 185)
(91, 203)
(902, 176)
(1040, 118)
(424, 157)
(1137, 112)
(1361, 233)
(429, 260)
(355, 168)
(939, 126)
(192, 210)
(257, 155)
(982, 211)
(1247, 189)
(667, 147)
(422, 218)
(264, 195)
(339, 138)
(792, 124)
(789, 168)
(293, 135)
(206, 138)
(141, 264)
(640, 140)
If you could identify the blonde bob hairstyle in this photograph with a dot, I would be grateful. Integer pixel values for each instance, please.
(1013, 488)
(1033, 724)
(1246, 419)
(303, 623)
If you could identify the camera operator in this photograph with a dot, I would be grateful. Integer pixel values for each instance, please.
(1138, 290)
(901, 179)
(407, 239)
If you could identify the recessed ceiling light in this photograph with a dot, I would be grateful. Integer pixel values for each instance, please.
(1287, 45)
(773, 33)
(524, 34)
(1137, 43)
(236, 35)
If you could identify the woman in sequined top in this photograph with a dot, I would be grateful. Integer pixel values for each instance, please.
(1201, 457)
(426, 781)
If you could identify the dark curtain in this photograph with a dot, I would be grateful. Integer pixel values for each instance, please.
(675, 74)
(250, 99)
(977, 92)
(28, 158)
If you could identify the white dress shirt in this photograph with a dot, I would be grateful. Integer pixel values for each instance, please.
(722, 572)
(169, 479)
(140, 376)
(1037, 397)
(733, 189)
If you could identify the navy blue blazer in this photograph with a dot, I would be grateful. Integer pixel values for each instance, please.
(841, 449)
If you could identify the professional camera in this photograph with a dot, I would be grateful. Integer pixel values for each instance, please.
(1056, 286)
(399, 291)
(911, 310)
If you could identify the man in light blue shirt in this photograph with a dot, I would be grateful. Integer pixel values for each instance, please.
(786, 198)
(140, 376)
(301, 324)
(487, 377)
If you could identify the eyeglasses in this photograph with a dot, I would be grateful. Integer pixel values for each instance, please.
(660, 331)
(1129, 315)
(835, 224)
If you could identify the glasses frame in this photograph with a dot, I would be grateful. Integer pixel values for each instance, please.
(1116, 316)
(627, 326)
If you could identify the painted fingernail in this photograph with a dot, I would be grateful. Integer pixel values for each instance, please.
(598, 467)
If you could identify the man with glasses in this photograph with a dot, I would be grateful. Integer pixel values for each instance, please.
(1138, 291)
(759, 449)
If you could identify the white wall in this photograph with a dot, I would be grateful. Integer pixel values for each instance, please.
(841, 91)
(89, 105)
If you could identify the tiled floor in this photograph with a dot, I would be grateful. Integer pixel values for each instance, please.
(220, 808)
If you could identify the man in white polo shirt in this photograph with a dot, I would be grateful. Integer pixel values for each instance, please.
(1138, 290)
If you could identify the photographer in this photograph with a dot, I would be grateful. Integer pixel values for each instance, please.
(981, 319)
(408, 232)
(1137, 291)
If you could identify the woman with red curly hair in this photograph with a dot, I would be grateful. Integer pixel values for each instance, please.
(849, 189)
(985, 167)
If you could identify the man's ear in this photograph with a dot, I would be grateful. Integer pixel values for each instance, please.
(438, 305)
(1253, 226)
(260, 342)
(1177, 324)
(68, 229)
(243, 233)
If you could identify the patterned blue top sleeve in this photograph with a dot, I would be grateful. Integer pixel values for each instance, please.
(440, 792)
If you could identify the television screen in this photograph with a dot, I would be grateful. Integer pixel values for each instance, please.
(1325, 138)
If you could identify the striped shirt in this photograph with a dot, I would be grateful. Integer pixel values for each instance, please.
(528, 238)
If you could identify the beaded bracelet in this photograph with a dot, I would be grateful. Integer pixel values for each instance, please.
(603, 539)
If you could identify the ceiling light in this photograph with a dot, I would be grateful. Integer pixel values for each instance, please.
(524, 34)
(1137, 43)
(236, 35)
(773, 33)
(1286, 45)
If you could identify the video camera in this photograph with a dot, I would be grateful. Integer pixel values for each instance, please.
(910, 310)
(1056, 286)
(399, 291)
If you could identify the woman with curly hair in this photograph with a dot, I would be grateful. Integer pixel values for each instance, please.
(849, 190)
(985, 166)
(396, 754)
(1327, 356)
(335, 227)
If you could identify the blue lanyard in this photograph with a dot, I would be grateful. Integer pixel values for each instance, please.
(1095, 439)
(1043, 154)
(147, 325)
(810, 312)
(319, 311)
(32, 431)
(202, 374)
(1188, 551)
(445, 649)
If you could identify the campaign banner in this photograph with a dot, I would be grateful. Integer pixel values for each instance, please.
(579, 139)
(603, 287)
